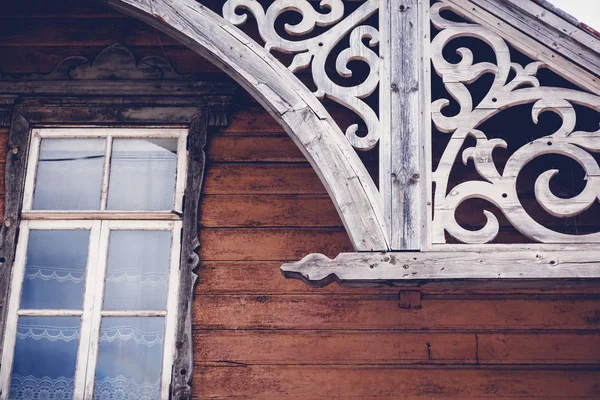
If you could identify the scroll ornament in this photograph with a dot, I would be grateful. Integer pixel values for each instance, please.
(314, 51)
(500, 189)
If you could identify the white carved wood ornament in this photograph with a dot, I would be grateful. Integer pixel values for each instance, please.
(313, 51)
(405, 213)
(498, 188)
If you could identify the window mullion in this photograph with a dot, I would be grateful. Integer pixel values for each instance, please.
(95, 311)
(88, 306)
(106, 172)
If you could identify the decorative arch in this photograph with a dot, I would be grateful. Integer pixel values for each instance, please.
(293, 105)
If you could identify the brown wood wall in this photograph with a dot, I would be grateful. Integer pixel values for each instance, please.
(258, 335)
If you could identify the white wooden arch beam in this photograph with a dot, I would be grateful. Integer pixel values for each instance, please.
(292, 104)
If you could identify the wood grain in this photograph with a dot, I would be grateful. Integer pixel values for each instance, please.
(383, 382)
(231, 179)
(271, 210)
(329, 311)
(332, 347)
(270, 243)
(347, 347)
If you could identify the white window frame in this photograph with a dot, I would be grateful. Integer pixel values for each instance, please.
(100, 223)
(109, 134)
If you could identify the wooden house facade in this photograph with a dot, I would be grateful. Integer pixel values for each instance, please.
(306, 158)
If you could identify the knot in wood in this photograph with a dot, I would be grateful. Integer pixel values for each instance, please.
(403, 8)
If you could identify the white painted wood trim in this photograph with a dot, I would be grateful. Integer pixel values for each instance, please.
(135, 133)
(103, 215)
(106, 172)
(133, 313)
(96, 308)
(288, 100)
(14, 299)
(319, 270)
(425, 142)
(172, 311)
(108, 134)
(87, 316)
(180, 180)
(549, 29)
(385, 117)
(49, 313)
(32, 160)
(527, 45)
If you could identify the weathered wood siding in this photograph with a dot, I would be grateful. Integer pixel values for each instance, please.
(257, 335)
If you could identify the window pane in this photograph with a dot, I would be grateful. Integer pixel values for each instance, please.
(69, 174)
(56, 269)
(45, 358)
(142, 174)
(129, 358)
(137, 272)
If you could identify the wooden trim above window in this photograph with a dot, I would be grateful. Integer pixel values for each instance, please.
(140, 100)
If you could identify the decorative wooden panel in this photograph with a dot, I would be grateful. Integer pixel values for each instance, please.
(513, 85)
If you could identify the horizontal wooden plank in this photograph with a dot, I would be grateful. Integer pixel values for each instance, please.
(244, 118)
(270, 243)
(262, 179)
(253, 147)
(539, 348)
(264, 277)
(395, 347)
(325, 382)
(271, 210)
(42, 60)
(229, 148)
(81, 32)
(330, 347)
(330, 311)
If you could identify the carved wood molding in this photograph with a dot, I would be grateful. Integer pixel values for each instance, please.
(350, 269)
(115, 73)
(313, 51)
(116, 62)
(500, 188)
(183, 364)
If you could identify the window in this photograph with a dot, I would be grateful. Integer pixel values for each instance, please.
(93, 301)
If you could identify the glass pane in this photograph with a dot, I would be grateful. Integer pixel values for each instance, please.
(55, 270)
(129, 358)
(142, 174)
(137, 272)
(69, 174)
(45, 358)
